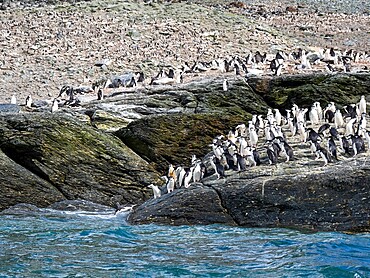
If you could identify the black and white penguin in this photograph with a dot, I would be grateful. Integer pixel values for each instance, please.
(259, 58)
(324, 154)
(242, 164)
(278, 70)
(29, 101)
(313, 146)
(236, 69)
(288, 150)
(271, 154)
(197, 172)
(140, 77)
(225, 85)
(344, 144)
(334, 133)
(332, 147)
(55, 106)
(350, 111)
(322, 129)
(216, 165)
(100, 94)
(256, 156)
(188, 176)
(156, 191)
(169, 183)
(329, 116)
(362, 105)
(312, 135)
(358, 144)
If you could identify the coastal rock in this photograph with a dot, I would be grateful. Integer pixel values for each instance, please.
(307, 197)
(64, 153)
(188, 211)
(50, 157)
(19, 185)
(167, 137)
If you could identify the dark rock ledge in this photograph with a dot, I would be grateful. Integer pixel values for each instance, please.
(108, 152)
(305, 197)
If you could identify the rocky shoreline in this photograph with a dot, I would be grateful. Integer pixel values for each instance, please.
(108, 151)
(89, 153)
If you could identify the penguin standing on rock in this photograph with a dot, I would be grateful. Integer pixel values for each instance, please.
(344, 144)
(100, 94)
(272, 157)
(156, 191)
(224, 85)
(324, 154)
(216, 165)
(29, 101)
(358, 144)
(362, 105)
(55, 106)
(332, 147)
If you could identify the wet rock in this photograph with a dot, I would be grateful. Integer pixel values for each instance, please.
(326, 199)
(187, 211)
(50, 157)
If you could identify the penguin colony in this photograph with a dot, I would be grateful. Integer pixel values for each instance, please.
(331, 134)
(330, 61)
(180, 177)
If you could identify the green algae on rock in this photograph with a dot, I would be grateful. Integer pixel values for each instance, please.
(79, 161)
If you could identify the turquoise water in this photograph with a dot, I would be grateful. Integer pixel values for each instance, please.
(50, 243)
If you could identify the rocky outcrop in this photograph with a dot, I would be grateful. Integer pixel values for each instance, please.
(182, 120)
(50, 157)
(306, 196)
(108, 151)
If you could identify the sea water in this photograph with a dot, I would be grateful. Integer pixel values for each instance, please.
(51, 243)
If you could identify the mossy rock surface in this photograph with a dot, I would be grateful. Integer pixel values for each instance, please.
(303, 90)
(73, 159)
(174, 138)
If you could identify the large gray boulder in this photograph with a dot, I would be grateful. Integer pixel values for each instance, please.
(49, 157)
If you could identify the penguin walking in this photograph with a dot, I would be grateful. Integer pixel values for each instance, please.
(256, 156)
(272, 157)
(344, 144)
(241, 163)
(288, 150)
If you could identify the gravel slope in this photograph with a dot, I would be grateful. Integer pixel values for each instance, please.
(45, 46)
